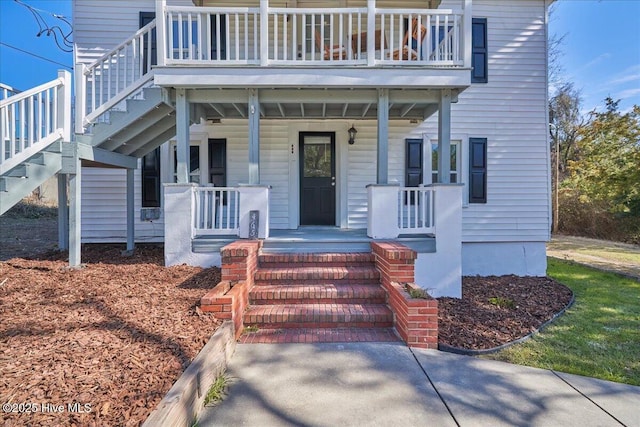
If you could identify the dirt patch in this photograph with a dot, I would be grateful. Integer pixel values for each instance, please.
(112, 337)
(27, 237)
(497, 310)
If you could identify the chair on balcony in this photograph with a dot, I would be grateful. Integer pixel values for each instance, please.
(330, 52)
(380, 42)
(409, 49)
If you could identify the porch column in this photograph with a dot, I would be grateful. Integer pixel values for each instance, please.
(63, 213)
(161, 32)
(130, 211)
(383, 136)
(254, 137)
(182, 136)
(444, 137)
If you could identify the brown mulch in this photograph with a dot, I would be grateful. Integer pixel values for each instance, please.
(114, 335)
(117, 334)
(497, 310)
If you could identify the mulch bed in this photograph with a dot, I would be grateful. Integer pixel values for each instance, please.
(114, 335)
(118, 333)
(497, 310)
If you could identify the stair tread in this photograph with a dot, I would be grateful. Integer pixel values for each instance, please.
(323, 293)
(318, 335)
(317, 273)
(309, 312)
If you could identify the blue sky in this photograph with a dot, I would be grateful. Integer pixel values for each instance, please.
(601, 52)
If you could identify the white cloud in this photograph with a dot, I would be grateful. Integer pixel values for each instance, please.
(629, 93)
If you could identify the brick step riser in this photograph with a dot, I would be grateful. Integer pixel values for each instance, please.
(315, 282)
(319, 325)
(316, 258)
(332, 300)
(294, 264)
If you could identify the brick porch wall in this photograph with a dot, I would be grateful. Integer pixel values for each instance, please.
(230, 298)
(416, 320)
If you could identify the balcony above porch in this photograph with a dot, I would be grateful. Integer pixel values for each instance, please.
(265, 46)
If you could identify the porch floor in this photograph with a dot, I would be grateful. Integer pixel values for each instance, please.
(311, 239)
(316, 239)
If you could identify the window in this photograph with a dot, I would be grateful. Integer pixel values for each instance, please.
(151, 179)
(455, 162)
(313, 29)
(479, 54)
(194, 164)
(145, 18)
(477, 170)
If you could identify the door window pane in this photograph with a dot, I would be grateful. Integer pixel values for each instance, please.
(317, 158)
(455, 160)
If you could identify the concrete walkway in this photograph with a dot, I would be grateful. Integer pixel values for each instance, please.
(388, 384)
(604, 255)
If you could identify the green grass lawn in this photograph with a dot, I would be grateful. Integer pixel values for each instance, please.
(599, 336)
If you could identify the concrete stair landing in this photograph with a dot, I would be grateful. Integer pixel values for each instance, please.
(317, 297)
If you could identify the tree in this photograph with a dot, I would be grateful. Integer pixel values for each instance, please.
(565, 123)
(607, 165)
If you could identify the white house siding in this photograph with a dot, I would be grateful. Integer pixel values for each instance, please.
(510, 111)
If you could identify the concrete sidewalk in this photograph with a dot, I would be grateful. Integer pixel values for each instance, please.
(388, 384)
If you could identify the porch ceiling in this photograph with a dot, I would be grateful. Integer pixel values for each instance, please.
(302, 103)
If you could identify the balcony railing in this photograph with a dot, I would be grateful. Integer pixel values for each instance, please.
(270, 36)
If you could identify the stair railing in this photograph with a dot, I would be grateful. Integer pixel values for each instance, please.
(32, 120)
(116, 76)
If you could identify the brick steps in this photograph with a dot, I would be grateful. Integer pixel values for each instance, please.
(315, 335)
(319, 316)
(317, 275)
(316, 259)
(317, 294)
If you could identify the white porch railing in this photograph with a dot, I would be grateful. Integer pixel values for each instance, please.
(117, 75)
(269, 36)
(32, 120)
(416, 213)
(395, 210)
(216, 211)
(7, 91)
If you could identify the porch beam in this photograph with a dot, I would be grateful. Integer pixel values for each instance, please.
(366, 109)
(130, 210)
(405, 110)
(182, 136)
(382, 165)
(240, 111)
(218, 109)
(281, 109)
(254, 137)
(110, 158)
(330, 96)
(444, 137)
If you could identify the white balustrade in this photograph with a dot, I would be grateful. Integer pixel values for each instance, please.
(216, 211)
(31, 120)
(312, 36)
(416, 210)
(117, 75)
(226, 35)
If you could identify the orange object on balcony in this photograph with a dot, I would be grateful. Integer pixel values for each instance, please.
(410, 51)
(330, 52)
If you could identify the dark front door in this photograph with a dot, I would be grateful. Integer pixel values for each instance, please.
(317, 178)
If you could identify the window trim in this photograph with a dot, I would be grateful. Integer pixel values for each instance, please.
(462, 162)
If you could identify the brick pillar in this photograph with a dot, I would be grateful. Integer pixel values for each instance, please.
(230, 298)
(415, 319)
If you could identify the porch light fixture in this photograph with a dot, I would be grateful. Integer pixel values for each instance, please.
(352, 135)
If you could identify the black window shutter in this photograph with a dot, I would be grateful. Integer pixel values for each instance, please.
(413, 163)
(151, 179)
(145, 18)
(478, 170)
(479, 54)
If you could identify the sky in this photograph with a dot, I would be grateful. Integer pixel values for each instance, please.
(601, 49)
